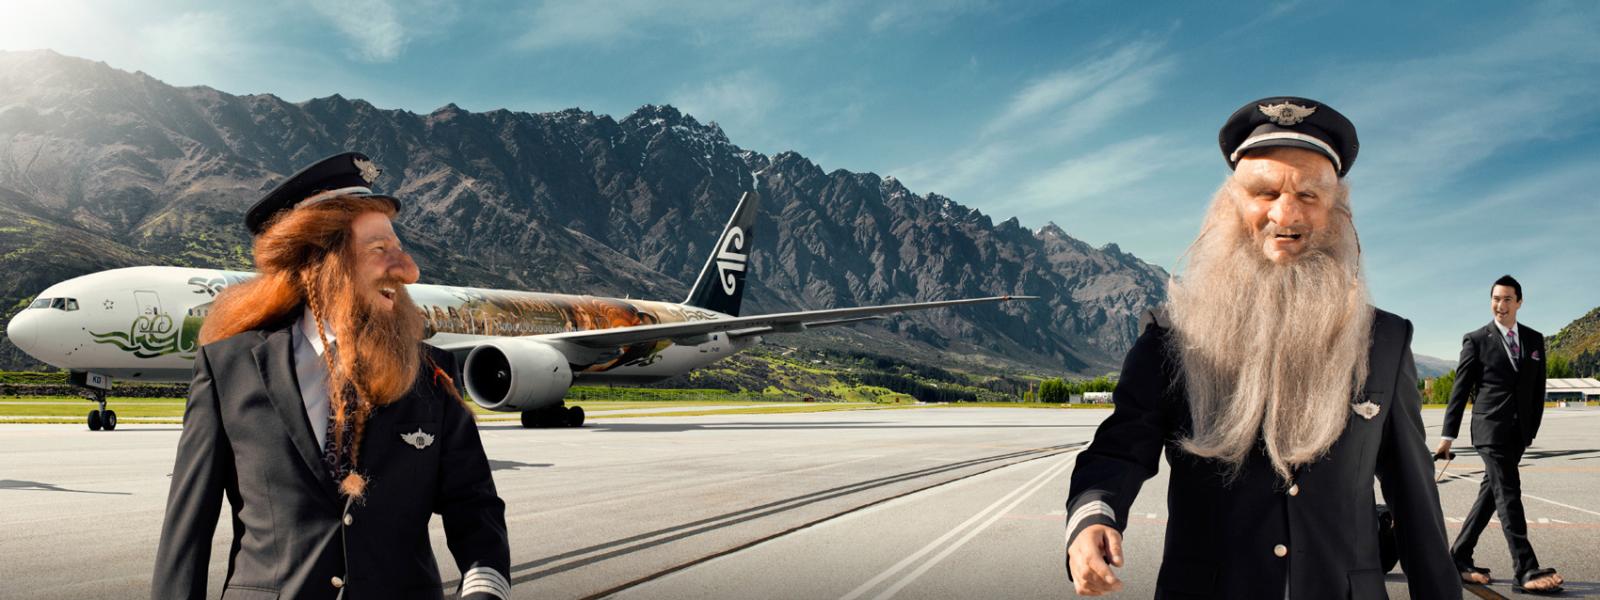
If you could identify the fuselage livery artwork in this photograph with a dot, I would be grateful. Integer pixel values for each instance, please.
(519, 351)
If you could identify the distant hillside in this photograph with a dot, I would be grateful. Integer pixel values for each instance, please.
(1429, 367)
(1579, 343)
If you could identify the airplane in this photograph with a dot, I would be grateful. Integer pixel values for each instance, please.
(520, 351)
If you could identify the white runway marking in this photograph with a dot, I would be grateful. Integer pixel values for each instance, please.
(1015, 497)
(1527, 495)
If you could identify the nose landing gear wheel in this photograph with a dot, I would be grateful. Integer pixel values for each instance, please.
(94, 420)
(108, 419)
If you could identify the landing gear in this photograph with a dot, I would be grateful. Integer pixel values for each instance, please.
(553, 416)
(98, 386)
(101, 418)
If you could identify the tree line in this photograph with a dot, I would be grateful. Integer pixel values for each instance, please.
(1437, 390)
(1058, 390)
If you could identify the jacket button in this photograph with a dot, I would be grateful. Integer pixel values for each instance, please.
(348, 520)
(338, 581)
(1280, 550)
(1294, 490)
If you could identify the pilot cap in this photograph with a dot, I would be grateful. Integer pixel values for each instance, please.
(1290, 121)
(344, 174)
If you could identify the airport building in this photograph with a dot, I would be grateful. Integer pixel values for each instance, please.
(1572, 390)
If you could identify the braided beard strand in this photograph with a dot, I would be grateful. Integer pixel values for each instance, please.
(377, 362)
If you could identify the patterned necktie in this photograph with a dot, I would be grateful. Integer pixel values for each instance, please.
(1511, 342)
(337, 462)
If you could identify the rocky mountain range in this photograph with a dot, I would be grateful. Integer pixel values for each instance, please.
(101, 168)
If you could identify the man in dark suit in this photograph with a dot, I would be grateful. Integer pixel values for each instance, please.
(1502, 372)
(1276, 391)
(333, 431)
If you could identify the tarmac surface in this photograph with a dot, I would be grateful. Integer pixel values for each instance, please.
(915, 503)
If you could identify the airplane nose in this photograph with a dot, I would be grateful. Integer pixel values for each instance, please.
(23, 330)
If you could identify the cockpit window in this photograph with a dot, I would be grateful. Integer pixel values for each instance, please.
(56, 303)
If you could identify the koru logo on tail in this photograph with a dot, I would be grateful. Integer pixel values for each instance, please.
(731, 258)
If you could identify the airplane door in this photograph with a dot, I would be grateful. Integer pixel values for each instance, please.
(149, 303)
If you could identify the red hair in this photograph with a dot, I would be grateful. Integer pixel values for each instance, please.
(304, 259)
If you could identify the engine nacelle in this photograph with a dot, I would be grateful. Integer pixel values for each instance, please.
(510, 374)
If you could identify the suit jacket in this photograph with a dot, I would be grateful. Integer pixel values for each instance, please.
(1224, 538)
(1507, 402)
(246, 435)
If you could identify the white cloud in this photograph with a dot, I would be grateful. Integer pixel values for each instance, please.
(1097, 175)
(1438, 117)
(741, 103)
(1051, 115)
(559, 23)
(1102, 83)
(925, 14)
(372, 25)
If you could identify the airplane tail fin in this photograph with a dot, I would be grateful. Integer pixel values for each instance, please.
(720, 286)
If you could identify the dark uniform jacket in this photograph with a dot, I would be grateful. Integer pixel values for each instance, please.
(1509, 401)
(1259, 536)
(246, 435)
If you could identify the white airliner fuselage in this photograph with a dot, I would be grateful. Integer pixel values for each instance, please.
(143, 324)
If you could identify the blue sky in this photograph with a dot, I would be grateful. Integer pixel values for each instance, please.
(1478, 120)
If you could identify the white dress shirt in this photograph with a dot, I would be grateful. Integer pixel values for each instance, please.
(312, 373)
(1505, 344)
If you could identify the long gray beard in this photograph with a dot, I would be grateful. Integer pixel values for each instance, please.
(1269, 351)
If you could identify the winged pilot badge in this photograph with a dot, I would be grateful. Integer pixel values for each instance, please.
(418, 439)
(1367, 409)
(369, 171)
(1286, 114)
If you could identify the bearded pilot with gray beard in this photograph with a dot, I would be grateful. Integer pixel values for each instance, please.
(1277, 392)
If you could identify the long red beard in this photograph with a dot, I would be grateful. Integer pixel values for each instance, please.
(380, 349)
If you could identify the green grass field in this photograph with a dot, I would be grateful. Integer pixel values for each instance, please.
(67, 409)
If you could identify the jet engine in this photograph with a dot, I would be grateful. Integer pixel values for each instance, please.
(511, 374)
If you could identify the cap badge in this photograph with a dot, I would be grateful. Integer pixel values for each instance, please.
(418, 439)
(369, 171)
(1286, 114)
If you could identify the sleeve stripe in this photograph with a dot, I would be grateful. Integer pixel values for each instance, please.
(1088, 510)
(485, 580)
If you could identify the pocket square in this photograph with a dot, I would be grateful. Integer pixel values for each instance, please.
(1366, 409)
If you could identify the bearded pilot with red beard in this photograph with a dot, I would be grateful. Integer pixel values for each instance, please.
(1276, 391)
(334, 432)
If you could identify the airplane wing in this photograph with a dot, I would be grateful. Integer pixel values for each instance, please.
(695, 332)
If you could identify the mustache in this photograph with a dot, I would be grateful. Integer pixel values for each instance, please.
(1273, 229)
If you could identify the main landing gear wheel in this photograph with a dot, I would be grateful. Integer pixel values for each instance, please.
(94, 420)
(554, 416)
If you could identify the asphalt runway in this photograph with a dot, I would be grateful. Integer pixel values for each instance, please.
(919, 503)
